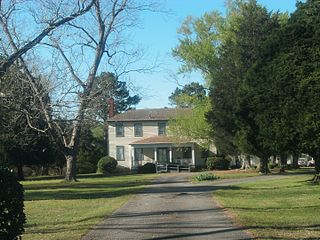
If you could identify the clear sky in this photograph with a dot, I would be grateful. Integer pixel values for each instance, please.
(158, 35)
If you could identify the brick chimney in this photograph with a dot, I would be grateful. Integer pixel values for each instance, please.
(111, 107)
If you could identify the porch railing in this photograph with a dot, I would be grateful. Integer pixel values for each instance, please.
(169, 167)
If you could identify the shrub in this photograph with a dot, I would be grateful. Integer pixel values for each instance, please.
(106, 165)
(273, 165)
(219, 163)
(206, 177)
(12, 216)
(147, 168)
(85, 167)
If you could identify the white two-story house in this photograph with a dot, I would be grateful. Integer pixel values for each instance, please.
(140, 136)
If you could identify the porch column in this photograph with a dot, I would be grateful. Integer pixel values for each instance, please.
(133, 164)
(155, 154)
(170, 154)
(193, 155)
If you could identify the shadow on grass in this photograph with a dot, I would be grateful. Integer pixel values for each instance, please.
(79, 176)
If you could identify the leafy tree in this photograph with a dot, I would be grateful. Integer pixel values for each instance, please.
(109, 86)
(192, 124)
(228, 48)
(90, 151)
(21, 144)
(188, 95)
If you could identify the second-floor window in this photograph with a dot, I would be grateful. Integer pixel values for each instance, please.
(119, 130)
(138, 130)
(161, 128)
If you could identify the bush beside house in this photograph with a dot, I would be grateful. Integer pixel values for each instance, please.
(106, 165)
(218, 163)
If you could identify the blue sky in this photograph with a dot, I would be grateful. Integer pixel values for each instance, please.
(158, 35)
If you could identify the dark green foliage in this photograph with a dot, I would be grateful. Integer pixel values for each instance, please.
(110, 86)
(12, 216)
(194, 92)
(273, 165)
(206, 177)
(90, 151)
(218, 163)
(106, 165)
(147, 168)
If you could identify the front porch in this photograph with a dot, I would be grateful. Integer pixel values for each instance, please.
(162, 153)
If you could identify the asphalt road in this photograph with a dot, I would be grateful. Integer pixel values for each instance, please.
(172, 208)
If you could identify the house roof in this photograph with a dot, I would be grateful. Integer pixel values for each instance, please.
(162, 114)
(158, 140)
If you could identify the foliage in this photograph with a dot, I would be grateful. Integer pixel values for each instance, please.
(218, 163)
(206, 177)
(106, 165)
(147, 168)
(20, 143)
(192, 124)
(12, 217)
(188, 96)
(111, 87)
(90, 151)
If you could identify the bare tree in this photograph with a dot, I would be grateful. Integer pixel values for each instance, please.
(75, 52)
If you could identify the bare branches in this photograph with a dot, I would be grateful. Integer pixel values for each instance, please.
(45, 32)
(69, 65)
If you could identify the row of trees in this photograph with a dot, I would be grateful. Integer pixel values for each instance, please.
(263, 72)
(58, 57)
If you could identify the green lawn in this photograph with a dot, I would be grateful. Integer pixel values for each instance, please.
(60, 210)
(228, 174)
(279, 209)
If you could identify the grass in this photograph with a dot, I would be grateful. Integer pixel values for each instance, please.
(228, 174)
(277, 209)
(61, 210)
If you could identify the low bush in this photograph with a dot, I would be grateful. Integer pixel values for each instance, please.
(106, 165)
(218, 163)
(147, 168)
(12, 216)
(85, 167)
(273, 165)
(206, 177)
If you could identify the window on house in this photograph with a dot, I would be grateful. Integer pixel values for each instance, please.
(138, 131)
(119, 130)
(186, 152)
(120, 153)
(138, 154)
(161, 128)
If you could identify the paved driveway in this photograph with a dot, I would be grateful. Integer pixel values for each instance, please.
(172, 208)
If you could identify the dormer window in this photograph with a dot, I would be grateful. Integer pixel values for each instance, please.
(119, 130)
(161, 128)
(138, 130)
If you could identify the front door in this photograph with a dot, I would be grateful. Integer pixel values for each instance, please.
(163, 155)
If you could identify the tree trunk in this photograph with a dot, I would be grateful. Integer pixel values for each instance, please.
(295, 158)
(71, 170)
(44, 170)
(20, 175)
(246, 164)
(264, 169)
(283, 162)
(317, 165)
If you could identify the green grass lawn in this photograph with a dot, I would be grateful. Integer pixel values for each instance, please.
(228, 174)
(60, 210)
(279, 209)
